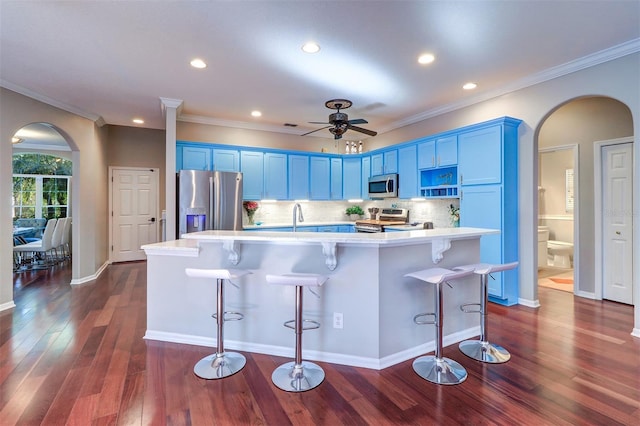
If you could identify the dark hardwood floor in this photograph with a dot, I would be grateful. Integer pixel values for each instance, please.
(76, 356)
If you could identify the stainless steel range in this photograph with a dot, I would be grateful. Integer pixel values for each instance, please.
(386, 217)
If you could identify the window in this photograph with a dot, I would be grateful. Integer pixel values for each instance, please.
(40, 186)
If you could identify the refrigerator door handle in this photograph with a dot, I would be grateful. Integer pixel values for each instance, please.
(210, 217)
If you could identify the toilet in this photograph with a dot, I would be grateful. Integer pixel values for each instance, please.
(552, 252)
(560, 253)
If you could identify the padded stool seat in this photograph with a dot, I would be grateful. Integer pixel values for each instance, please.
(298, 375)
(482, 350)
(436, 368)
(220, 364)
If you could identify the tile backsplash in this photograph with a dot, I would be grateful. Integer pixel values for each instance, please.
(281, 212)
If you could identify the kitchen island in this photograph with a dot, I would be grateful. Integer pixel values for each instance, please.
(366, 290)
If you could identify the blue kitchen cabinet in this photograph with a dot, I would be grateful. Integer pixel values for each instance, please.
(366, 174)
(439, 152)
(226, 160)
(346, 228)
(335, 186)
(377, 164)
(195, 158)
(328, 228)
(319, 178)
(275, 176)
(385, 162)
(351, 175)
(480, 156)
(408, 172)
(252, 168)
(488, 177)
(298, 177)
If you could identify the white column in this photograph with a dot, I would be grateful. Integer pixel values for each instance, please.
(170, 108)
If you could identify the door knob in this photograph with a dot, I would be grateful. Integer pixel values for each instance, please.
(153, 219)
(618, 233)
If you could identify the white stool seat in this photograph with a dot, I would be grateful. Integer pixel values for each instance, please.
(482, 350)
(306, 280)
(222, 363)
(438, 275)
(224, 274)
(486, 268)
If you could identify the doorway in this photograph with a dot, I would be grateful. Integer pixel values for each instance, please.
(557, 224)
(133, 206)
(613, 180)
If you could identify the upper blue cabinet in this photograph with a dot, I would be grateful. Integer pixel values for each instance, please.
(351, 176)
(194, 158)
(439, 152)
(384, 162)
(275, 176)
(226, 160)
(298, 177)
(481, 156)
(252, 168)
(407, 172)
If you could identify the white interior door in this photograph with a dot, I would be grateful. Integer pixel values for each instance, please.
(134, 212)
(617, 222)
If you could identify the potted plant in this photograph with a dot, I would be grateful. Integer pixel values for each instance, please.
(454, 215)
(355, 212)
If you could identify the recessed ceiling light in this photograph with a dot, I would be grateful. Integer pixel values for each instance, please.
(138, 120)
(311, 47)
(469, 86)
(198, 63)
(426, 58)
(256, 114)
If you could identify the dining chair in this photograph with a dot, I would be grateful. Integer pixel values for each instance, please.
(43, 246)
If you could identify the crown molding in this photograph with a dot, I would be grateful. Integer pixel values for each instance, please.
(165, 103)
(49, 101)
(199, 119)
(615, 52)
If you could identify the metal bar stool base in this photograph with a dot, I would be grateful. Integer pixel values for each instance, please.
(484, 351)
(219, 366)
(298, 378)
(443, 371)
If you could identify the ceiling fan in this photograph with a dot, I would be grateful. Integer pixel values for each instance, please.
(339, 122)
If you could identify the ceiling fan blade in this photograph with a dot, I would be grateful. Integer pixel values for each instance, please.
(316, 130)
(318, 122)
(361, 130)
(358, 121)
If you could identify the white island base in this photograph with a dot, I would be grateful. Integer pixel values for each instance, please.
(366, 286)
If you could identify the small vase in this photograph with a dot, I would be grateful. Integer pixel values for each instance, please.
(455, 223)
(354, 216)
(250, 216)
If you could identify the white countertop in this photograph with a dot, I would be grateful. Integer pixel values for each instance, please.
(190, 242)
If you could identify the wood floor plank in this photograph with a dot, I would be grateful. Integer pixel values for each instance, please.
(76, 355)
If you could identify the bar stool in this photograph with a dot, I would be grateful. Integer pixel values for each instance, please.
(482, 350)
(220, 364)
(436, 368)
(298, 375)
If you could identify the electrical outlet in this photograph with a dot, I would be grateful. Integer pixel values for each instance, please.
(337, 320)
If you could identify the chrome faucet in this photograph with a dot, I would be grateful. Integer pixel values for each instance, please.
(298, 217)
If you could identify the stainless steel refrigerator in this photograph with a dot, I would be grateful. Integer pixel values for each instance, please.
(208, 200)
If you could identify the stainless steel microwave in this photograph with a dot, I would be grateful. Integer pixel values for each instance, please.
(383, 186)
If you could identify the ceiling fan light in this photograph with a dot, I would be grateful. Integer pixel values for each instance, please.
(15, 140)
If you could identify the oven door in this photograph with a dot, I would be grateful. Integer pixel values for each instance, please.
(368, 228)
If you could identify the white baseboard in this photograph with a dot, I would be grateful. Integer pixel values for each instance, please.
(529, 303)
(586, 294)
(7, 306)
(313, 355)
(636, 332)
(78, 281)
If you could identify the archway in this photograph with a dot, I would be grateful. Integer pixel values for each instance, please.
(42, 183)
(581, 122)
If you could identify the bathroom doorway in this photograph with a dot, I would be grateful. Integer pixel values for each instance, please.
(557, 235)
